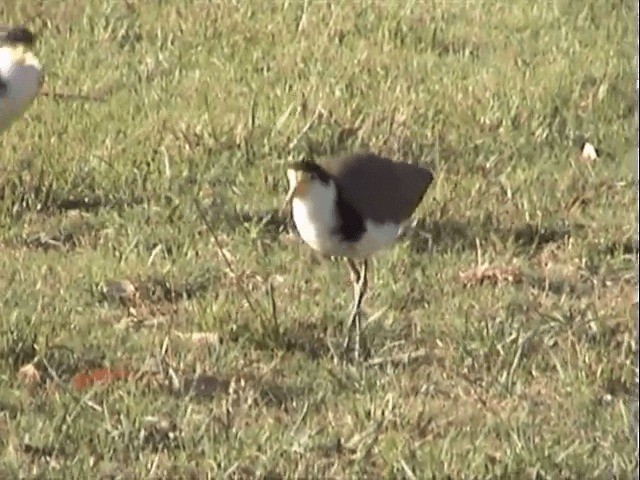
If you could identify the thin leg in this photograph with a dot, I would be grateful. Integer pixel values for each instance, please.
(362, 288)
(355, 280)
(354, 319)
(354, 272)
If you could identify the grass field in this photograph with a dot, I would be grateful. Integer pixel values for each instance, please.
(501, 337)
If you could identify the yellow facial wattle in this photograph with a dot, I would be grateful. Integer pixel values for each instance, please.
(298, 186)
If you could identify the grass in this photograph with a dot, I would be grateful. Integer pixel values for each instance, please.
(501, 341)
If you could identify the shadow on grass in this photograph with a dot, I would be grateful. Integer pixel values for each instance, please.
(66, 238)
(628, 246)
(38, 194)
(206, 386)
(18, 346)
(528, 238)
(56, 361)
(449, 234)
(155, 293)
(159, 289)
(559, 286)
(309, 339)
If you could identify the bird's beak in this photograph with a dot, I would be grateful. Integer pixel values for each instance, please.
(294, 178)
(287, 200)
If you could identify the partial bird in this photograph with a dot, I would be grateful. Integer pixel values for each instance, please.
(352, 208)
(21, 75)
(588, 152)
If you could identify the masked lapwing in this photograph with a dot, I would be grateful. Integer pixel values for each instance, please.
(21, 75)
(352, 208)
(588, 152)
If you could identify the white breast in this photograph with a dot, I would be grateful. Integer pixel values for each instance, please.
(23, 80)
(316, 219)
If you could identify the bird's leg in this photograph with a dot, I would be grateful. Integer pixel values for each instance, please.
(354, 321)
(362, 288)
(354, 273)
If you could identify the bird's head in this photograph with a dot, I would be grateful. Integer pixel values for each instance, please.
(17, 36)
(301, 176)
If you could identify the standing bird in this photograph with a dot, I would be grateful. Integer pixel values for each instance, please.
(352, 208)
(21, 75)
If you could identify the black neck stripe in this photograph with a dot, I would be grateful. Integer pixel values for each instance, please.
(351, 225)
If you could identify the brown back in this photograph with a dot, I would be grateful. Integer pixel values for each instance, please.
(379, 188)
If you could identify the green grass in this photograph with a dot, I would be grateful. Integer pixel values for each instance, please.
(205, 102)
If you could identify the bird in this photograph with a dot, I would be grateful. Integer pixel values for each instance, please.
(351, 208)
(21, 74)
(588, 152)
